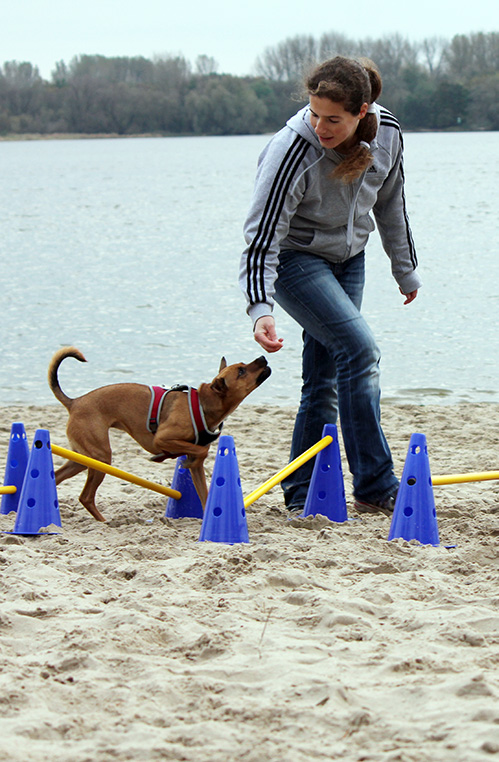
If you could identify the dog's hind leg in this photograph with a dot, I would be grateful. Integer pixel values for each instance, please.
(87, 497)
(69, 469)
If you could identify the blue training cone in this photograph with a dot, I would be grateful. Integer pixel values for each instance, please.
(224, 517)
(414, 515)
(17, 460)
(38, 505)
(189, 505)
(326, 493)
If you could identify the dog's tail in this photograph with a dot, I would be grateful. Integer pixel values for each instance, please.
(54, 367)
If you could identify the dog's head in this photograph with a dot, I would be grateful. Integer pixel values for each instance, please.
(234, 382)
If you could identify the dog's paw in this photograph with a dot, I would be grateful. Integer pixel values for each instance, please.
(162, 456)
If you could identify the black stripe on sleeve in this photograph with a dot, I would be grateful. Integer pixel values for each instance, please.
(270, 218)
(388, 120)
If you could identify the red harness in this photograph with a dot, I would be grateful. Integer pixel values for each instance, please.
(158, 394)
(202, 434)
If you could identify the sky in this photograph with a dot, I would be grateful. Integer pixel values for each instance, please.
(231, 32)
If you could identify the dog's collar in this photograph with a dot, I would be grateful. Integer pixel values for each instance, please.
(202, 434)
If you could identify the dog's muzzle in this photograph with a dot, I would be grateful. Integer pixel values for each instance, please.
(266, 371)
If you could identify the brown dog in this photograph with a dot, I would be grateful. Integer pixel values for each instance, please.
(128, 407)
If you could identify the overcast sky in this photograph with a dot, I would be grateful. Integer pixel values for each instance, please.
(231, 32)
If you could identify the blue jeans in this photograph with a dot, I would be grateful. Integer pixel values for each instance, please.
(340, 371)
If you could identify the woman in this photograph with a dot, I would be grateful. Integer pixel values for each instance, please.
(318, 179)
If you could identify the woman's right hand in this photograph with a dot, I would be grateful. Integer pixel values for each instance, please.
(265, 334)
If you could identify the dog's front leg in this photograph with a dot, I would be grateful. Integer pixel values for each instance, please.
(199, 481)
(196, 456)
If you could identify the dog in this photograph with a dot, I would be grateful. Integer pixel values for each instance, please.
(180, 421)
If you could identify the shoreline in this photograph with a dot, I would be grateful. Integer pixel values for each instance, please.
(13, 137)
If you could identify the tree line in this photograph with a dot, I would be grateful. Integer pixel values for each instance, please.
(431, 85)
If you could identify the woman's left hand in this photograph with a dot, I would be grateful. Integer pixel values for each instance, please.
(409, 297)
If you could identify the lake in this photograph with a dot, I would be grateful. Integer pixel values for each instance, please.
(129, 249)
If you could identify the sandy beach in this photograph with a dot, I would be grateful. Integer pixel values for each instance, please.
(131, 640)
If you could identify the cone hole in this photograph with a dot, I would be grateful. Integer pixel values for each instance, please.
(31, 502)
(14, 464)
(35, 473)
(217, 511)
(220, 481)
(243, 513)
(415, 449)
(408, 511)
(223, 451)
(52, 475)
(38, 444)
(56, 504)
(321, 495)
(16, 436)
(325, 467)
(411, 481)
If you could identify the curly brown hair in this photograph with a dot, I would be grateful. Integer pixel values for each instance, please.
(351, 82)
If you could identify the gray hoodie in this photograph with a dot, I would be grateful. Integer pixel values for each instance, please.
(297, 205)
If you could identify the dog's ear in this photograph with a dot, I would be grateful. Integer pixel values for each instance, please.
(219, 387)
(223, 364)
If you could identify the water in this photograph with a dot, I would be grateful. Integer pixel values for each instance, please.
(129, 249)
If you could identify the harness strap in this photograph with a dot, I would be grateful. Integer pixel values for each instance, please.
(202, 434)
(158, 394)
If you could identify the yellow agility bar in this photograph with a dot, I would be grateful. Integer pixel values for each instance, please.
(280, 475)
(98, 465)
(479, 476)
(9, 489)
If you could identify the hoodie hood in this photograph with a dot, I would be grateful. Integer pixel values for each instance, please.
(300, 123)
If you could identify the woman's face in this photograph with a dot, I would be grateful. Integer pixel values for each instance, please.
(334, 126)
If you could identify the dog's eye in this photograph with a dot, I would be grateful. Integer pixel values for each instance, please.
(241, 372)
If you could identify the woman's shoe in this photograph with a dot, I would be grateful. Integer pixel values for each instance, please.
(386, 505)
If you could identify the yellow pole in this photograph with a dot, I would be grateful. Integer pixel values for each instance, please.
(98, 465)
(280, 475)
(8, 489)
(480, 476)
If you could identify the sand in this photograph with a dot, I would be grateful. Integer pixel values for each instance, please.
(131, 640)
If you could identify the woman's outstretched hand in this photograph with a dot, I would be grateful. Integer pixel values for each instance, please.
(265, 334)
(409, 297)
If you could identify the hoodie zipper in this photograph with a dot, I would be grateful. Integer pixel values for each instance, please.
(351, 213)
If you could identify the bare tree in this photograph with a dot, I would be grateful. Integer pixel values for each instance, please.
(473, 55)
(287, 61)
(432, 51)
(390, 54)
(23, 86)
(206, 65)
(335, 44)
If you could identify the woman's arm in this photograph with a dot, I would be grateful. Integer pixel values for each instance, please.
(279, 188)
